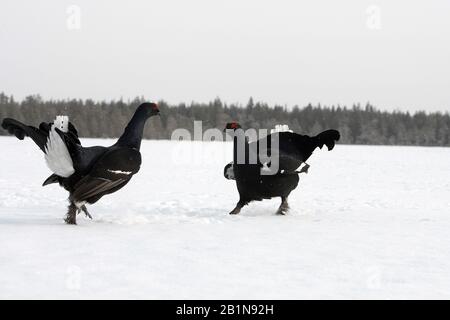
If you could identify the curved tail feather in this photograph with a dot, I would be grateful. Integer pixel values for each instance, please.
(52, 179)
(328, 138)
(21, 131)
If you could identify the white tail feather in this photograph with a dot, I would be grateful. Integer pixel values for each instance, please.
(281, 128)
(62, 123)
(56, 154)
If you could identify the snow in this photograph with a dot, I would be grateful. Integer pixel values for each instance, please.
(366, 222)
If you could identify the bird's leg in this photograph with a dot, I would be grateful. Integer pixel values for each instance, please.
(86, 212)
(305, 168)
(71, 217)
(284, 207)
(238, 207)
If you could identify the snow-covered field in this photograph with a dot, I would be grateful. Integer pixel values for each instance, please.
(366, 222)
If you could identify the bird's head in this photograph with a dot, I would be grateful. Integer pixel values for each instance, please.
(149, 109)
(228, 172)
(232, 126)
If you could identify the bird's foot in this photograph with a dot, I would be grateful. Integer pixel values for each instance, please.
(283, 209)
(71, 217)
(70, 220)
(236, 210)
(86, 212)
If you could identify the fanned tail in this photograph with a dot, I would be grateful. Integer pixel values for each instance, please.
(40, 135)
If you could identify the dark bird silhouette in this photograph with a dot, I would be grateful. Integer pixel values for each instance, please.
(293, 150)
(87, 173)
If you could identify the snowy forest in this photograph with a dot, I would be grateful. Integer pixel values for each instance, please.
(357, 124)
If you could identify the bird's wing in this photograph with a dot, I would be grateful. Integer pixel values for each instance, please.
(83, 158)
(287, 153)
(93, 187)
(289, 163)
(111, 172)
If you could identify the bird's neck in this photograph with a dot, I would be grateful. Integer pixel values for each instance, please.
(240, 147)
(132, 135)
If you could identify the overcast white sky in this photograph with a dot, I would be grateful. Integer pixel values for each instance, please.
(286, 52)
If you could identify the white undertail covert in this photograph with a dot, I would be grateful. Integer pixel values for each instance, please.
(57, 156)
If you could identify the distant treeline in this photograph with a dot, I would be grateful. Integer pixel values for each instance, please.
(358, 125)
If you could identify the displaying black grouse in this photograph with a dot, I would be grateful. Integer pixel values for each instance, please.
(88, 173)
(293, 150)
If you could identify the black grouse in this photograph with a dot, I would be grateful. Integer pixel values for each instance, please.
(293, 151)
(88, 173)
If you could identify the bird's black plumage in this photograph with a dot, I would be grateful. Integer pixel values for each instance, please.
(97, 170)
(293, 150)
